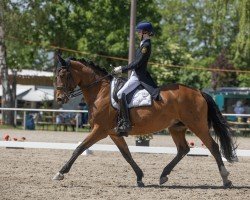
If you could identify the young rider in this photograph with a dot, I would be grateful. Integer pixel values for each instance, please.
(139, 76)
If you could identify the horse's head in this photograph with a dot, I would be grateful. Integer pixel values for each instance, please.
(73, 72)
(65, 83)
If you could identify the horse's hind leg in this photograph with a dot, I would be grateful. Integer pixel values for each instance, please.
(123, 147)
(178, 135)
(213, 147)
(91, 139)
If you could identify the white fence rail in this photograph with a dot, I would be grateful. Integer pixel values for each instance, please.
(197, 151)
(25, 110)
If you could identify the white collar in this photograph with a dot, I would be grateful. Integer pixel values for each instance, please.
(143, 41)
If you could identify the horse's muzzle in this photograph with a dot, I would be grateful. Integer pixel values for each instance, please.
(59, 100)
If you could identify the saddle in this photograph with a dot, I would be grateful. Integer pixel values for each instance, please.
(137, 98)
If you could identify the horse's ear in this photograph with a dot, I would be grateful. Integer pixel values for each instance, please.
(61, 60)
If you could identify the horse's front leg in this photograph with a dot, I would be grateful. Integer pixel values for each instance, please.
(123, 147)
(91, 139)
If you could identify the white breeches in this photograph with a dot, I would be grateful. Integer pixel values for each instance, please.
(129, 86)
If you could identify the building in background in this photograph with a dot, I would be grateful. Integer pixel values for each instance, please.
(227, 97)
(35, 89)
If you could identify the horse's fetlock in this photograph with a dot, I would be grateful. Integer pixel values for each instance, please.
(223, 171)
(141, 175)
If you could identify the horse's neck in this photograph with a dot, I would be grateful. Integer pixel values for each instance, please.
(96, 93)
(98, 101)
(93, 90)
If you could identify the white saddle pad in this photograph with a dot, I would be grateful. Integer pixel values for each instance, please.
(140, 97)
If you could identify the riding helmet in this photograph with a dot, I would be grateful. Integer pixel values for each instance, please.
(145, 26)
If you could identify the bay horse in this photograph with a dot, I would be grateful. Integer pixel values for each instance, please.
(181, 108)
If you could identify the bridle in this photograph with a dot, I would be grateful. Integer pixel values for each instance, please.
(65, 87)
(69, 78)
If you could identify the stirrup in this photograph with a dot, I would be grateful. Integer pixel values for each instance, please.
(124, 127)
(119, 130)
(121, 134)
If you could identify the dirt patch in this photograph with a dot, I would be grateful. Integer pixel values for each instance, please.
(26, 174)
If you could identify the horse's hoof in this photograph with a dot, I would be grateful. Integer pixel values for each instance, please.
(58, 177)
(163, 180)
(228, 184)
(140, 184)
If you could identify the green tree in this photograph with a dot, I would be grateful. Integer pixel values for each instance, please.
(19, 32)
(241, 48)
(40, 24)
(7, 98)
(204, 28)
(107, 27)
(95, 27)
(188, 32)
(223, 78)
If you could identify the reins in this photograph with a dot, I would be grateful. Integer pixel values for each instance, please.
(97, 81)
(78, 92)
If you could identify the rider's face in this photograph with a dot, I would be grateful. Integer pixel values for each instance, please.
(139, 34)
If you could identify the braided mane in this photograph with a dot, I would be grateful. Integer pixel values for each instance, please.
(92, 65)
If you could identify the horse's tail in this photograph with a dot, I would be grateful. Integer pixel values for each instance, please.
(221, 128)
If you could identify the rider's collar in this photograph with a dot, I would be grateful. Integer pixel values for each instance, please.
(143, 41)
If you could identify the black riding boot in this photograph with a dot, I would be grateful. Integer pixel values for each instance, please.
(124, 124)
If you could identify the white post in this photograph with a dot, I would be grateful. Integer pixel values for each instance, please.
(77, 121)
(24, 120)
(15, 113)
(132, 33)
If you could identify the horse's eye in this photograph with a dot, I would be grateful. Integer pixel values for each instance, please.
(62, 74)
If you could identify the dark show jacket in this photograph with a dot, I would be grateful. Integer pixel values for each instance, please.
(139, 65)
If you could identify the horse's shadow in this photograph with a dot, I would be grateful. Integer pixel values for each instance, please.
(203, 187)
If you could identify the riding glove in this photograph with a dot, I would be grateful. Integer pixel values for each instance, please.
(117, 70)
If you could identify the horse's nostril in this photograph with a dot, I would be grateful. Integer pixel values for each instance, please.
(59, 99)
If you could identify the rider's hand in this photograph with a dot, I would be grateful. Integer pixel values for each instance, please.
(117, 70)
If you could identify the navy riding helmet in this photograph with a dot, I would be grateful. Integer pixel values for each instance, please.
(145, 26)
